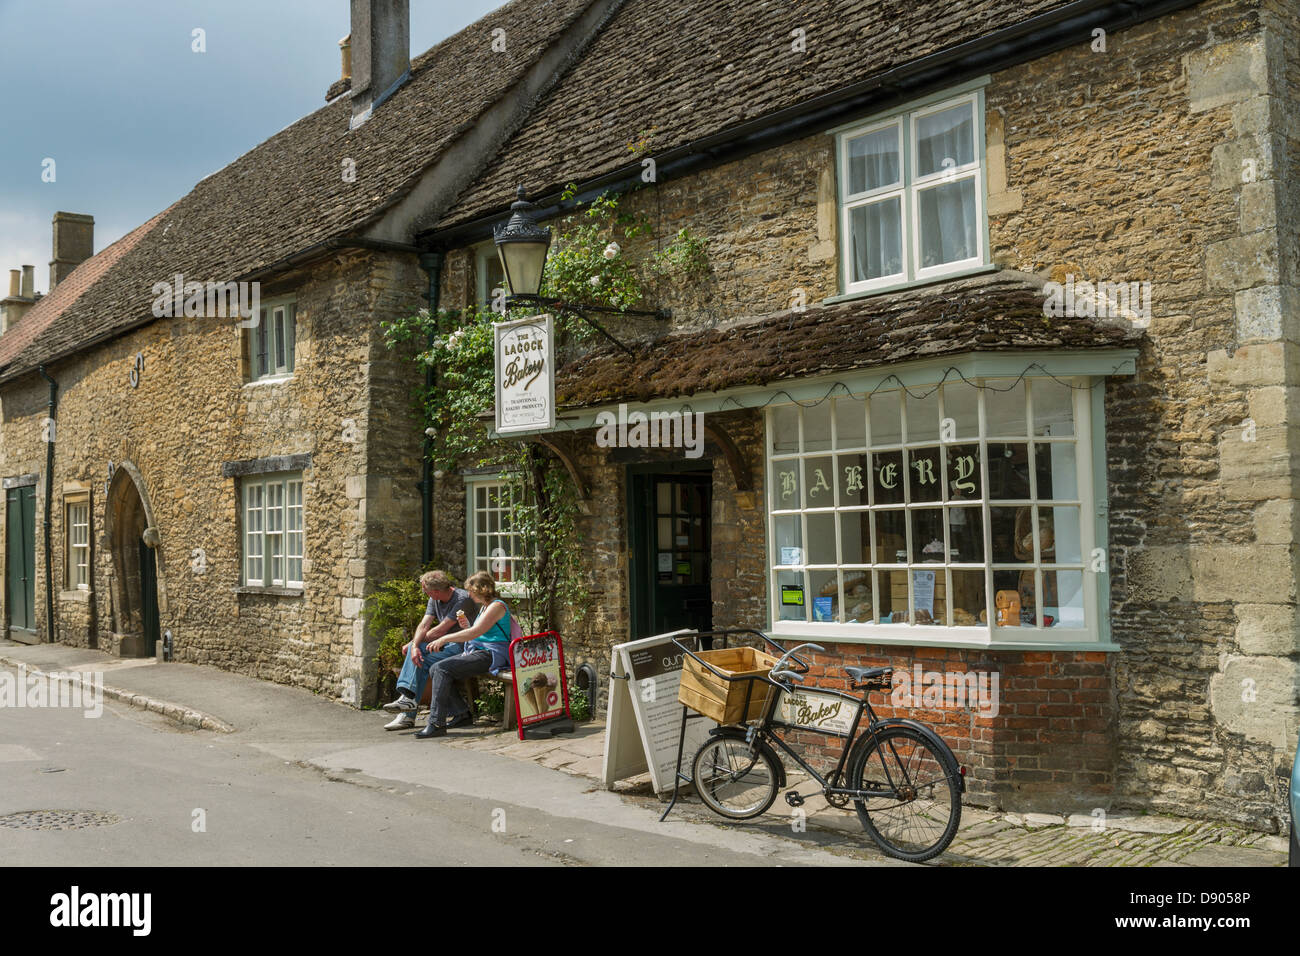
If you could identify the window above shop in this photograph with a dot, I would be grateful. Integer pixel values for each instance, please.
(269, 345)
(490, 276)
(911, 195)
(959, 512)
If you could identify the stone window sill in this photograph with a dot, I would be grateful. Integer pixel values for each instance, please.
(270, 380)
(272, 592)
(81, 595)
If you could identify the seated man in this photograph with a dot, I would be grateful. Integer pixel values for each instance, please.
(438, 622)
(487, 646)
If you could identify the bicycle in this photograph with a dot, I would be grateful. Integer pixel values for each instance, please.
(904, 781)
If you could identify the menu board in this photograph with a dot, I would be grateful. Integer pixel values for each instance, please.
(644, 717)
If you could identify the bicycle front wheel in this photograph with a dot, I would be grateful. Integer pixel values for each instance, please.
(735, 779)
(918, 807)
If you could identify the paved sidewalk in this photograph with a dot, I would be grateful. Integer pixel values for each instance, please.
(209, 699)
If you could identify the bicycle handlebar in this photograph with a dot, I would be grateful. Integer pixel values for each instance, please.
(802, 665)
(785, 675)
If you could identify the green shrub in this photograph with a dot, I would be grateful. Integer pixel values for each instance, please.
(579, 706)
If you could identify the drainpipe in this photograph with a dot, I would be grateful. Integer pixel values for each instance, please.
(49, 494)
(431, 263)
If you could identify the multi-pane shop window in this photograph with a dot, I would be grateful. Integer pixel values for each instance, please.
(911, 195)
(273, 530)
(961, 506)
(78, 553)
(493, 533)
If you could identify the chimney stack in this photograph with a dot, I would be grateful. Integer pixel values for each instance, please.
(380, 53)
(74, 243)
(22, 296)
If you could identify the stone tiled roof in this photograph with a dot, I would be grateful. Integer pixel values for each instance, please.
(288, 193)
(45, 312)
(683, 70)
(983, 314)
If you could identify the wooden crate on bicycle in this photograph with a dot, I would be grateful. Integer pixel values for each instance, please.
(724, 700)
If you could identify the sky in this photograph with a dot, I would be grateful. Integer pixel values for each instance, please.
(114, 93)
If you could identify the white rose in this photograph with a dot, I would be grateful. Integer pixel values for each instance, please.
(612, 250)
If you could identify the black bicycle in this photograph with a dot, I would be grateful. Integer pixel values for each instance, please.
(904, 781)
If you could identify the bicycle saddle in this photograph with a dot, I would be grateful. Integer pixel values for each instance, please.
(861, 675)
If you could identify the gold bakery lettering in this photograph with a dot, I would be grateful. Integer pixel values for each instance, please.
(965, 468)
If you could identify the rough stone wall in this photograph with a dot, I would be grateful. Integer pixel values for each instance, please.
(347, 405)
(1170, 157)
(1173, 178)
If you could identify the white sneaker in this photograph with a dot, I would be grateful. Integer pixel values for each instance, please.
(404, 704)
(401, 722)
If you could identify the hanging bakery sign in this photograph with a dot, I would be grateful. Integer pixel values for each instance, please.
(525, 374)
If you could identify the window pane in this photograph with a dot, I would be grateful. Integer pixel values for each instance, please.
(877, 234)
(1056, 474)
(948, 226)
(968, 601)
(946, 134)
(852, 473)
(873, 160)
(818, 474)
(826, 595)
(480, 497)
(886, 419)
(785, 484)
(1063, 598)
(785, 429)
(1058, 535)
(817, 427)
(927, 536)
(857, 596)
(664, 498)
(1053, 408)
(962, 464)
(924, 473)
(1004, 408)
(855, 537)
(792, 604)
(891, 540)
(290, 335)
(850, 423)
(277, 330)
(260, 366)
(821, 539)
(961, 408)
(892, 587)
(1008, 471)
(1012, 535)
(923, 415)
(966, 534)
(787, 540)
(887, 473)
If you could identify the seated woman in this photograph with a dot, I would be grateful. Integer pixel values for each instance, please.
(487, 646)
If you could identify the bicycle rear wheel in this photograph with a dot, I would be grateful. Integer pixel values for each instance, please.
(919, 807)
(734, 779)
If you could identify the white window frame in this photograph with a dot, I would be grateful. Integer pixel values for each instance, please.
(277, 370)
(271, 506)
(485, 254)
(77, 553)
(476, 525)
(908, 190)
(984, 635)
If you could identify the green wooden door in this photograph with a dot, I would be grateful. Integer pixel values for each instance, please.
(148, 596)
(669, 537)
(20, 565)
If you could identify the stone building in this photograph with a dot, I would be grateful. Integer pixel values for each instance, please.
(996, 353)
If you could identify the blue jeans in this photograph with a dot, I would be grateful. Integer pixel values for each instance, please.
(414, 675)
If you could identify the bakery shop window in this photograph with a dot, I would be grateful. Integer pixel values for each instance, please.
(961, 506)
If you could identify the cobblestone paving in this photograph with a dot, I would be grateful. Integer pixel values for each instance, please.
(985, 838)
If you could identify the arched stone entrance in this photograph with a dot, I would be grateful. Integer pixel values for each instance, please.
(139, 594)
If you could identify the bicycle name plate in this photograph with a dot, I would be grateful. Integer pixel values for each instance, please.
(815, 710)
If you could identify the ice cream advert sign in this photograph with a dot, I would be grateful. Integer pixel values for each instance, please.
(537, 663)
(525, 375)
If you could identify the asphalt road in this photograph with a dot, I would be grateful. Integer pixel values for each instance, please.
(197, 798)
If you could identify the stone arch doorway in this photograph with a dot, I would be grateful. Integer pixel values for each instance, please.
(138, 592)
